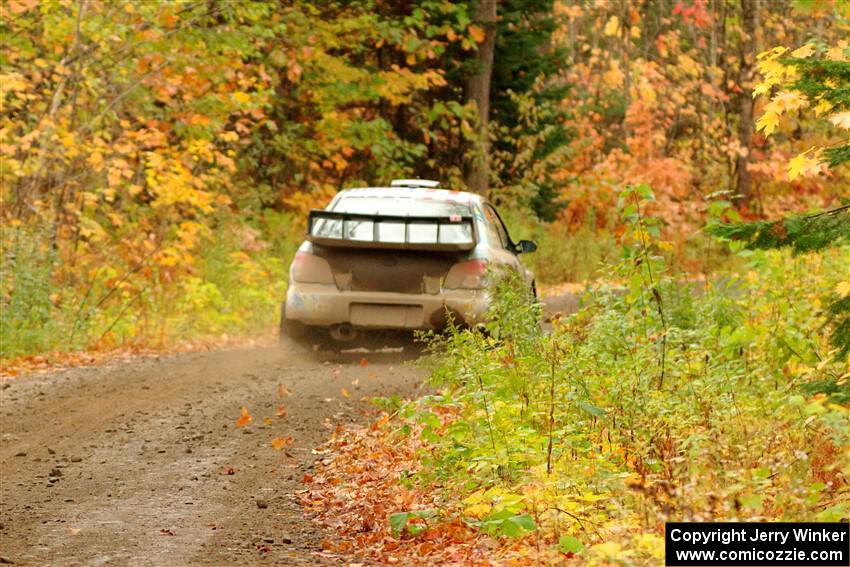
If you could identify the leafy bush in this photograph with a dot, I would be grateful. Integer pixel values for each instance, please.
(664, 400)
(233, 285)
(565, 254)
(26, 309)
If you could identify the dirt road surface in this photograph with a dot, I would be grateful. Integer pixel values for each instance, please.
(141, 462)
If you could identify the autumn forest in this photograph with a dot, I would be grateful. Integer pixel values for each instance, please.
(683, 165)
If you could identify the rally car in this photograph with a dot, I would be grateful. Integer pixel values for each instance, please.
(405, 257)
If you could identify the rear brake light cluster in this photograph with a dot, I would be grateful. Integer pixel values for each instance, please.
(309, 268)
(467, 275)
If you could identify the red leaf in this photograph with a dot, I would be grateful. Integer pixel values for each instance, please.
(281, 442)
(244, 419)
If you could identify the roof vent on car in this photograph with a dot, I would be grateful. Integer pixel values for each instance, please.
(427, 183)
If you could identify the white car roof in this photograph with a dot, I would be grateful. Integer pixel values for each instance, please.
(446, 195)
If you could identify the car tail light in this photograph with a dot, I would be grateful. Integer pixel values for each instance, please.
(469, 275)
(309, 268)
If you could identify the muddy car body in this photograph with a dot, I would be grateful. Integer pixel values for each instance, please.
(405, 257)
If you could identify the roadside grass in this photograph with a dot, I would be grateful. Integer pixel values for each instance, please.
(667, 400)
(230, 284)
(584, 253)
(594, 435)
(569, 256)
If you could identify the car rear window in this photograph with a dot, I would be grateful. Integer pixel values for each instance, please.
(454, 231)
(400, 206)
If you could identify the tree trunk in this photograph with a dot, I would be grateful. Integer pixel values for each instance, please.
(745, 99)
(478, 92)
(626, 62)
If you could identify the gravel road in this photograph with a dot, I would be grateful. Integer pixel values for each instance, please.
(141, 462)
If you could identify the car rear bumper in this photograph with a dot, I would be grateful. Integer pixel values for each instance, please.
(325, 305)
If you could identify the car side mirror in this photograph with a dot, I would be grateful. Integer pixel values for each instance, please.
(526, 247)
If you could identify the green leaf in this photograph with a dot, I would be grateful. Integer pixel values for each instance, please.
(834, 513)
(517, 526)
(398, 521)
(429, 419)
(591, 409)
(569, 544)
(753, 502)
(814, 408)
(761, 473)
(796, 400)
(429, 435)
(644, 191)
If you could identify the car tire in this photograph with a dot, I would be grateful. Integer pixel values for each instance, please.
(295, 332)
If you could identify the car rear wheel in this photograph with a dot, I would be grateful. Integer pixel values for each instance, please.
(295, 332)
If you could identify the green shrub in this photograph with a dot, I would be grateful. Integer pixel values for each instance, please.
(233, 286)
(27, 315)
(669, 400)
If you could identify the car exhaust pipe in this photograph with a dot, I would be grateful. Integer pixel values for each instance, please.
(344, 332)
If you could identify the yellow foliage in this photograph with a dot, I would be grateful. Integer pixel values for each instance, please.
(774, 72)
(12, 82)
(650, 544)
(822, 107)
(612, 26)
(804, 164)
(609, 550)
(841, 119)
(803, 52)
(614, 76)
(477, 510)
(771, 53)
(689, 65)
(95, 160)
(789, 100)
(838, 52)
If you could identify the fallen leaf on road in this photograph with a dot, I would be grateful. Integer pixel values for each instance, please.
(282, 391)
(364, 362)
(268, 421)
(345, 393)
(380, 423)
(281, 410)
(244, 419)
(281, 442)
(357, 477)
(371, 376)
(165, 531)
(228, 471)
(73, 531)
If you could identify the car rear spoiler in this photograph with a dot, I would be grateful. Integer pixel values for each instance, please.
(356, 230)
